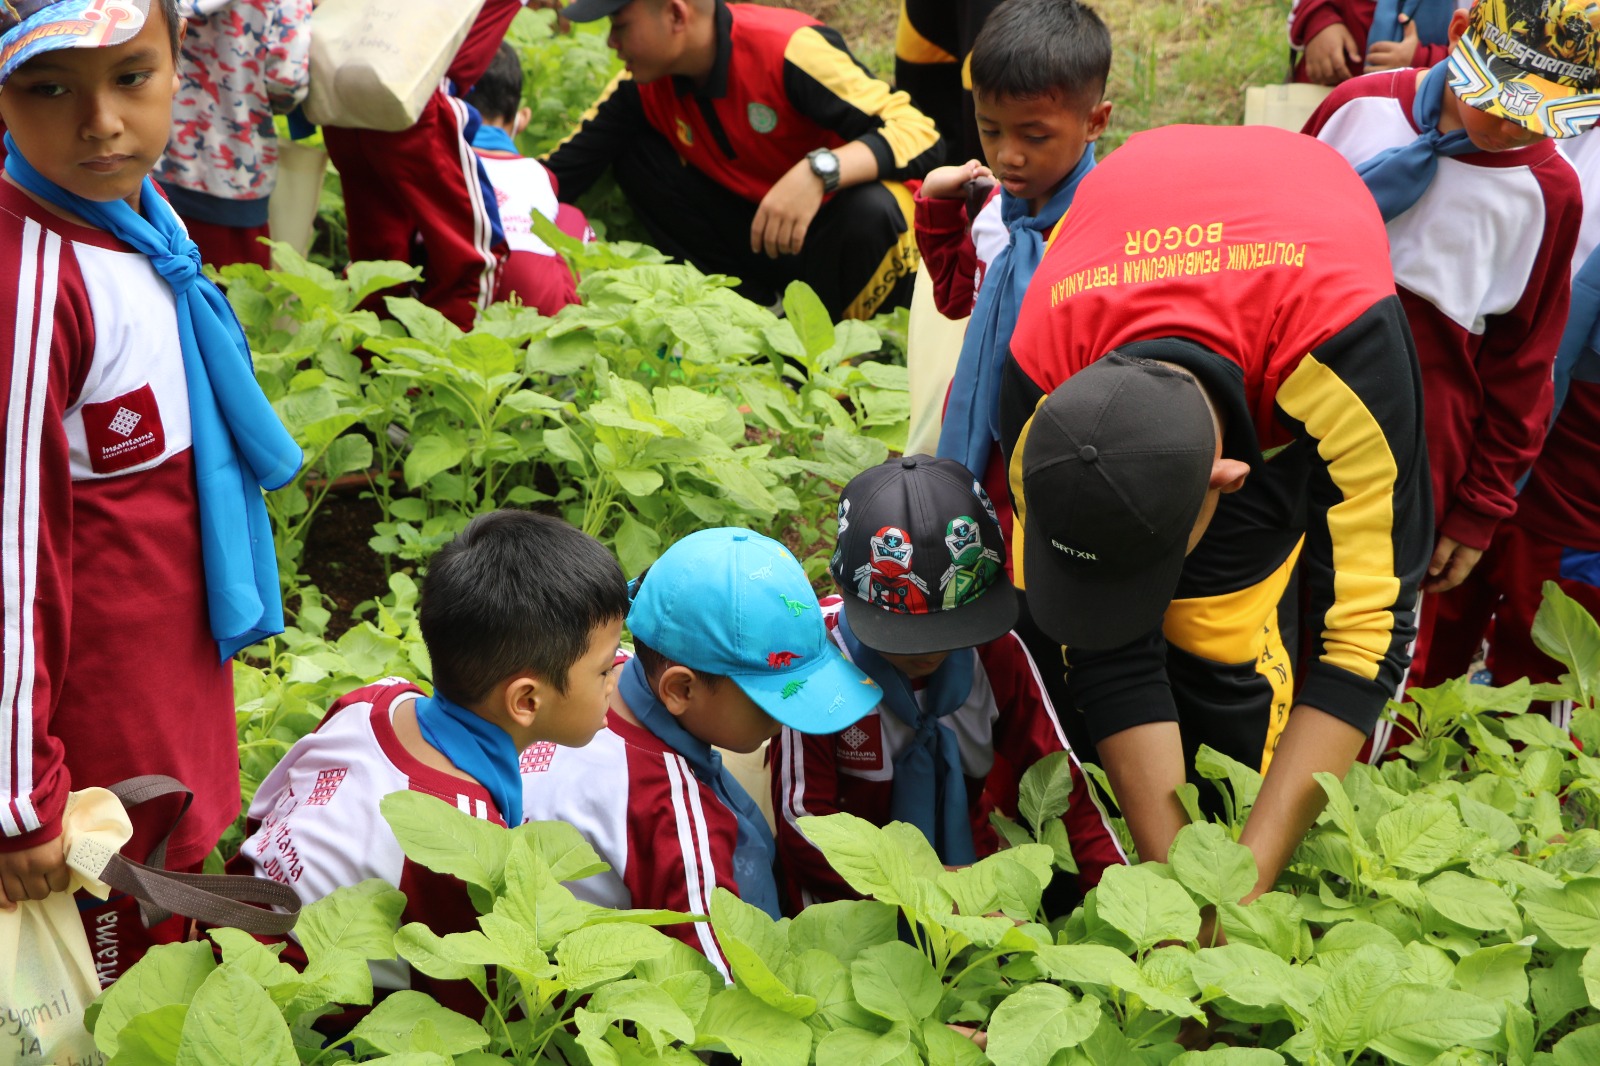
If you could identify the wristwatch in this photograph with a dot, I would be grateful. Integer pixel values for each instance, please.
(825, 165)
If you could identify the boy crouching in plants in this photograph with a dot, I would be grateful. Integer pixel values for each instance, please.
(729, 645)
(521, 614)
(926, 610)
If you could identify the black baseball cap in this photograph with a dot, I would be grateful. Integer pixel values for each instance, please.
(592, 10)
(921, 559)
(1115, 466)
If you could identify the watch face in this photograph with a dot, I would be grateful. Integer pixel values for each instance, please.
(825, 163)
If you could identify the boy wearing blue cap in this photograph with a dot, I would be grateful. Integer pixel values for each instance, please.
(729, 646)
(927, 612)
(137, 444)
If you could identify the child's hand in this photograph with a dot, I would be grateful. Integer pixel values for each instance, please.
(33, 873)
(1392, 55)
(949, 183)
(1330, 54)
(1451, 563)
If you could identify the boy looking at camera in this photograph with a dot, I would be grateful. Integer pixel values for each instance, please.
(729, 646)
(521, 615)
(926, 609)
(135, 454)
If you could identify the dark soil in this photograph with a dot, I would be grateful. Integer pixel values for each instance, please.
(338, 559)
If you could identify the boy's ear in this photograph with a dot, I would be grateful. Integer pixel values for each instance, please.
(1458, 26)
(520, 121)
(1099, 119)
(520, 701)
(674, 688)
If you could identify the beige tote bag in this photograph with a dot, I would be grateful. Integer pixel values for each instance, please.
(374, 63)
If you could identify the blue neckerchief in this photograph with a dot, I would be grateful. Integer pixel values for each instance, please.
(972, 415)
(240, 446)
(476, 746)
(1578, 356)
(493, 139)
(1431, 17)
(929, 790)
(755, 852)
(1397, 177)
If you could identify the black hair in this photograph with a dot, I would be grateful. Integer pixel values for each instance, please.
(1033, 48)
(653, 662)
(498, 94)
(169, 10)
(515, 591)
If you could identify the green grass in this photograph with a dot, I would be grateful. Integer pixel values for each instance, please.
(1173, 60)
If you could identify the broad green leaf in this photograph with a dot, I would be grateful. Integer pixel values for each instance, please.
(1420, 837)
(1589, 970)
(1569, 915)
(565, 850)
(1230, 1056)
(150, 1038)
(245, 953)
(1211, 864)
(515, 947)
(895, 981)
(433, 454)
(1269, 921)
(232, 1020)
(647, 1006)
(453, 957)
(1411, 1024)
(843, 928)
(638, 482)
(1519, 1035)
(1146, 907)
(1245, 781)
(946, 1047)
(861, 854)
(349, 454)
(1355, 986)
(809, 319)
(1565, 631)
(758, 1034)
(1045, 789)
(1581, 1047)
(392, 1026)
(637, 545)
(599, 953)
(446, 840)
(1253, 977)
(1089, 965)
(858, 1047)
(1036, 1021)
(757, 951)
(826, 980)
(1498, 973)
(1472, 902)
(168, 974)
(1558, 990)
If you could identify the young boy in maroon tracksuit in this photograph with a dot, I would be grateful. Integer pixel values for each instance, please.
(424, 182)
(1482, 214)
(926, 610)
(521, 614)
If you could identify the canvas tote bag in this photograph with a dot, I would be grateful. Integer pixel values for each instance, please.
(374, 63)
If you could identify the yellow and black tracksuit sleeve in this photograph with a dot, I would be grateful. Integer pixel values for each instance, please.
(1115, 689)
(825, 83)
(1357, 400)
(605, 132)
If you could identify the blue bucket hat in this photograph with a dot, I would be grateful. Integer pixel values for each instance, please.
(733, 602)
(31, 27)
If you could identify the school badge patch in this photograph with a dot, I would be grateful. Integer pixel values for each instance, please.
(762, 118)
(685, 134)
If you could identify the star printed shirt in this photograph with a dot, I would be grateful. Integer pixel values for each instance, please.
(782, 85)
(1006, 725)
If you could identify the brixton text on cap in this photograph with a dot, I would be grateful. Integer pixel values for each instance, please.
(1115, 466)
